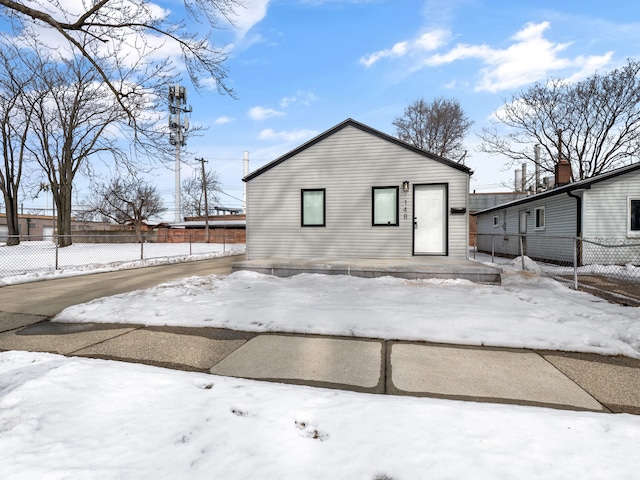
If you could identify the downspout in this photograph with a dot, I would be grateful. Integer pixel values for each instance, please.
(578, 213)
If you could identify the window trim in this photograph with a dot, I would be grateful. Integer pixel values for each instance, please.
(373, 207)
(496, 221)
(630, 232)
(324, 207)
(537, 217)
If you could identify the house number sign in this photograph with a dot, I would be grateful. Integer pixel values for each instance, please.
(405, 210)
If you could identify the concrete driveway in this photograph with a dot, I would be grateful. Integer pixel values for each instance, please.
(48, 297)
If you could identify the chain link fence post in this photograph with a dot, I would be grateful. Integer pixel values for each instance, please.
(575, 263)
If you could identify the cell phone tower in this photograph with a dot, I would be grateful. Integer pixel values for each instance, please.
(177, 128)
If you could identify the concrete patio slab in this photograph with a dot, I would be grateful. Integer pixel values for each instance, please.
(409, 268)
(484, 375)
(62, 338)
(613, 381)
(309, 360)
(184, 348)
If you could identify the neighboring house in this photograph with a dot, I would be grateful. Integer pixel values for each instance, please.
(484, 200)
(355, 192)
(603, 209)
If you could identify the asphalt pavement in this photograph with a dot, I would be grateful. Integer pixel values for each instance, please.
(562, 380)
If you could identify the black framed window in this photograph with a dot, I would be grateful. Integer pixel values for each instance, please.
(539, 217)
(313, 207)
(384, 206)
(634, 215)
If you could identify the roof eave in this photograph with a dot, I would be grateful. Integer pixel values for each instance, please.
(571, 187)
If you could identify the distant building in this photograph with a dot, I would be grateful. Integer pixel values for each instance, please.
(40, 227)
(605, 208)
(483, 201)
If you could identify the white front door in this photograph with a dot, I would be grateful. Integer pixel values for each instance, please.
(430, 220)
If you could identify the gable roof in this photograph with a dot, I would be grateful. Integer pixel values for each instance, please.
(579, 185)
(365, 128)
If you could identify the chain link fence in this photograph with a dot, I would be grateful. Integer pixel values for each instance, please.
(608, 268)
(91, 251)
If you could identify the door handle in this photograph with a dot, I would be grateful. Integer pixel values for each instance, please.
(415, 225)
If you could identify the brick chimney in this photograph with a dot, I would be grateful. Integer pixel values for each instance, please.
(563, 172)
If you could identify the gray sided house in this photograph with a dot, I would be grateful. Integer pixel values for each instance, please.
(355, 192)
(604, 209)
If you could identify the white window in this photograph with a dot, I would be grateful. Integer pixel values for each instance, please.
(313, 208)
(539, 213)
(634, 216)
(496, 221)
(385, 206)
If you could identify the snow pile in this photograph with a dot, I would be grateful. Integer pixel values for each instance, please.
(529, 265)
(526, 311)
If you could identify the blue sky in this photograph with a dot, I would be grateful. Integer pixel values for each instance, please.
(299, 67)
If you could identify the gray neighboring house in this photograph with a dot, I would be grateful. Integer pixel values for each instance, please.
(603, 209)
(355, 192)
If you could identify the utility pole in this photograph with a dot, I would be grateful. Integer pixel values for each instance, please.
(206, 202)
(178, 106)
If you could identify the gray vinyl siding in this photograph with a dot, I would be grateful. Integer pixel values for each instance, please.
(543, 244)
(606, 206)
(606, 217)
(347, 165)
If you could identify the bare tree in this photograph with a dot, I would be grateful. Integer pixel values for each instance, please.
(15, 121)
(438, 127)
(598, 118)
(74, 120)
(132, 31)
(129, 201)
(193, 194)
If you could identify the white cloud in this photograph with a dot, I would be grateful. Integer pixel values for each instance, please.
(287, 136)
(428, 41)
(261, 113)
(590, 65)
(224, 119)
(301, 97)
(248, 15)
(531, 57)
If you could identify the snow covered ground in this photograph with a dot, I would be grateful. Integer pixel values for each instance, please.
(31, 261)
(83, 418)
(527, 310)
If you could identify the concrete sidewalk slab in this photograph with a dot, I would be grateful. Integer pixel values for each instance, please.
(12, 321)
(613, 381)
(62, 338)
(484, 375)
(184, 348)
(309, 360)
